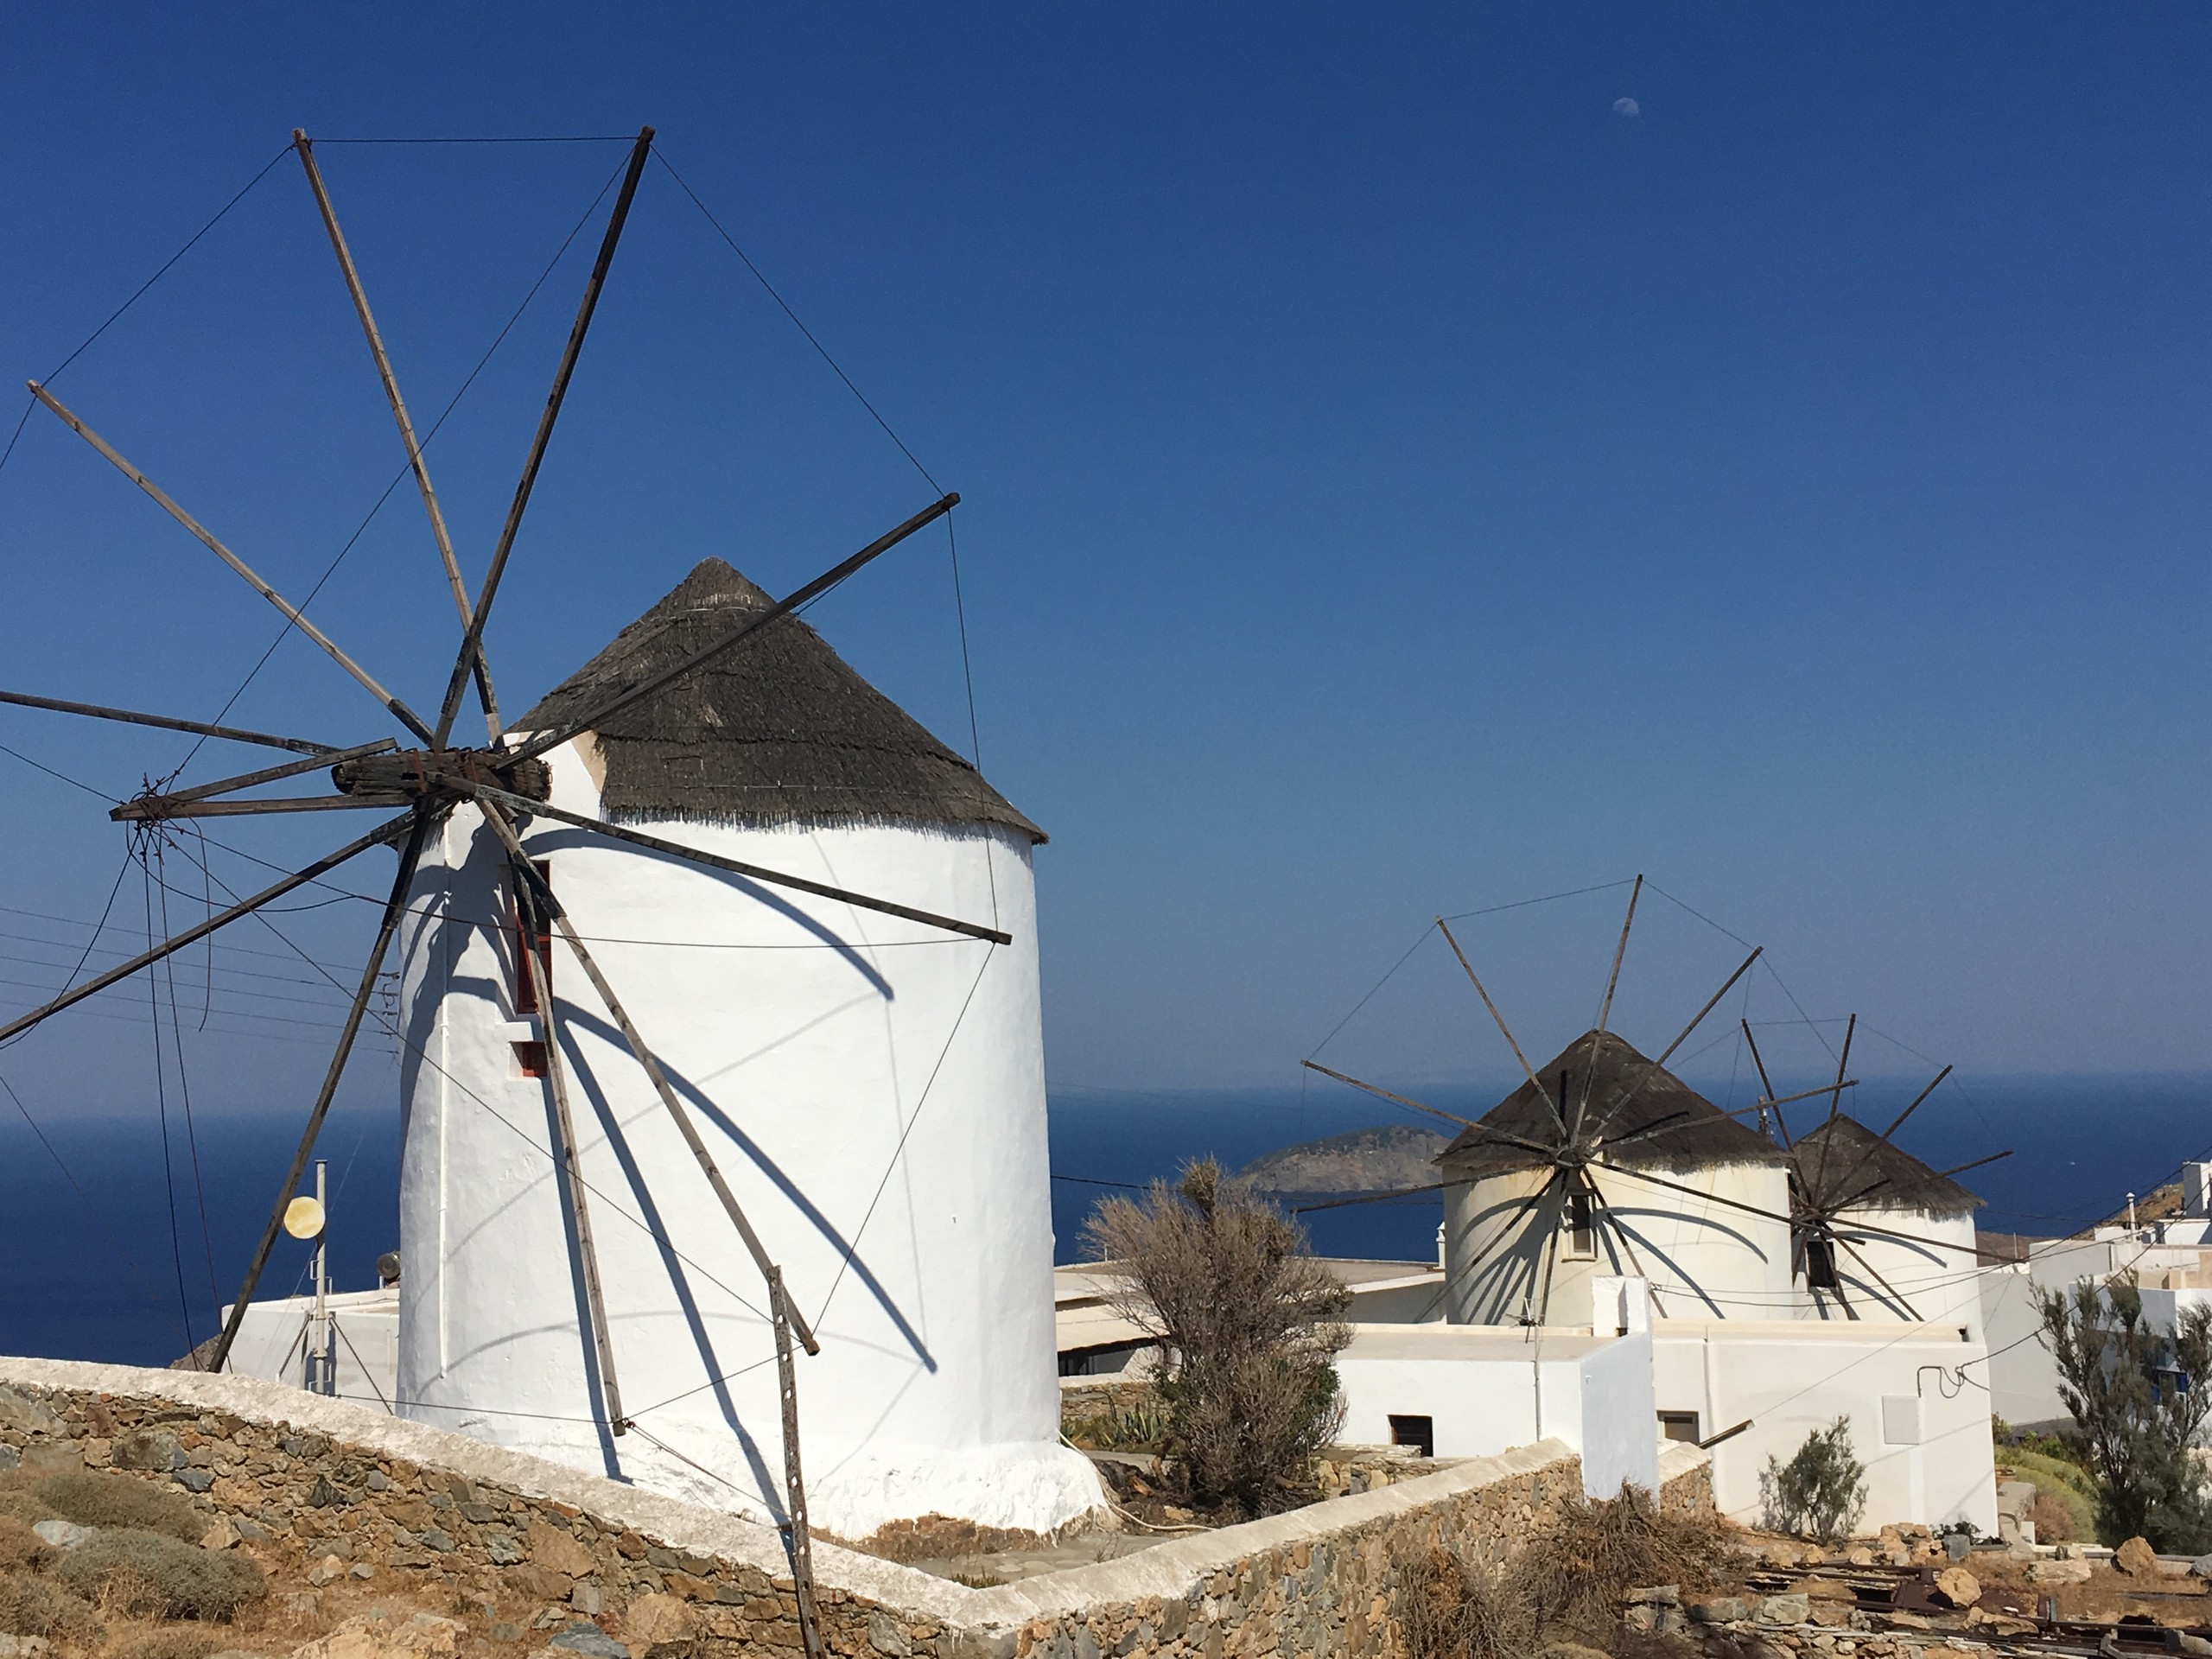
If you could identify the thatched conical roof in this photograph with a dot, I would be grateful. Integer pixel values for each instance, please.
(777, 730)
(1843, 1157)
(1697, 1134)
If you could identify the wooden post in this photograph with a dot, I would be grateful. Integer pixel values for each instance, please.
(798, 1534)
(568, 1154)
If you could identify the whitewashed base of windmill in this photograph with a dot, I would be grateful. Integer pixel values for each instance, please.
(869, 1087)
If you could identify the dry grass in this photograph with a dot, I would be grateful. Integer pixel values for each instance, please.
(1568, 1583)
(20, 1546)
(940, 1537)
(149, 1574)
(18, 1505)
(169, 1641)
(95, 1498)
(38, 1607)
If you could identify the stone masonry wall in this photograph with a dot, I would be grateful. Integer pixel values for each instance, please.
(294, 1477)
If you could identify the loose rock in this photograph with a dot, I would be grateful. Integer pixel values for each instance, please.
(1958, 1586)
(2137, 1559)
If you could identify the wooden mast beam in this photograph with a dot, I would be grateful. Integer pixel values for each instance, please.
(1449, 1117)
(291, 613)
(1697, 1019)
(306, 148)
(513, 803)
(1767, 1084)
(419, 824)
(472, 643)
(1605, 1007)
(791, 601)
(157, 806)
(379, 837)
(1558, 1115)
(558, 913)
(131, 717)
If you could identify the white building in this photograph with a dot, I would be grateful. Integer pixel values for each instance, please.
(872, 1088)
(1751, 1349)
(2171, 1258)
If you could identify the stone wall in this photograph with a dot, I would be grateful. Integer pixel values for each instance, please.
(294, 1477)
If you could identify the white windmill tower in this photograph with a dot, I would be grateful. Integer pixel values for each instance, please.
(871, 1088)
(821, 1101)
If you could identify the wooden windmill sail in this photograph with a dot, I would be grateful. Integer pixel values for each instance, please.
(423, 777)
(1840, 1173)
(1600, 1144)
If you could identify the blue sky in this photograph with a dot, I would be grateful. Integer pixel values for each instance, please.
(1397, 480)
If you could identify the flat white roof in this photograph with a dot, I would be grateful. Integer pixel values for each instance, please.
(1495, 1342)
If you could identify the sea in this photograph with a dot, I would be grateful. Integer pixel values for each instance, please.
(108, 1251)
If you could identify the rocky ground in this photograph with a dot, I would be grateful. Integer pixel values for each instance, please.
(1903, 1594)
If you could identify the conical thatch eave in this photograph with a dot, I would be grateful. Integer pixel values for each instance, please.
(1627, 1095)
(777, 731)
(1842, 1158)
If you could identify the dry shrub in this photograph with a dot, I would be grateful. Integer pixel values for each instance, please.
(940, 1537)
(1568, 1583)
(2053, 1521)
(149, 1574)
(92, 1498)
(177, 1641)
(20, 1546)
(18, 1505)
(1248, 1324)
(36, 1607)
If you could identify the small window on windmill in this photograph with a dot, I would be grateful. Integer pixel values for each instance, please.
(1581, 1227)
(1820, 1265)
(1678, 1426)
(525, 983)
(1420, 1433)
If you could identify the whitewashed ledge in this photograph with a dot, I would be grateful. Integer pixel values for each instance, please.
(1160, 1597)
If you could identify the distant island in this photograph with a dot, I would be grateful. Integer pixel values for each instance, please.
(1383, 1160)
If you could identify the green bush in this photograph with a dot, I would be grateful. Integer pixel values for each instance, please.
(2067, 1484)
(94, 1498)
(1821, 1492)
(31, 1606)
(2139, 1401)
(150, 1574)
(1139, 1426)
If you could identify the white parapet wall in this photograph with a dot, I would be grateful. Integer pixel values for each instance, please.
(1477, 1391)
(1913, 1394)
(273, 1337)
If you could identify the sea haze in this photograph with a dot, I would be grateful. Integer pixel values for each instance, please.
(96, 1275)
